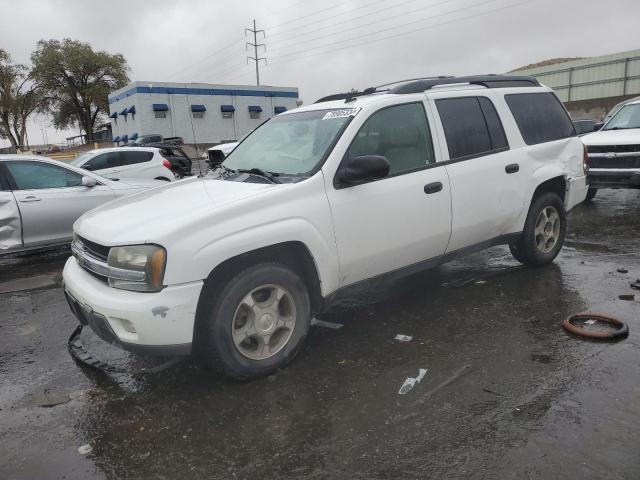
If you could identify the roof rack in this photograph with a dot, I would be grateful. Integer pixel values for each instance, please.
(421, 84)
(487, 81)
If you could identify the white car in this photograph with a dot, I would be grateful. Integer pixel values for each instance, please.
(127, 162)
(319, 200)
(40, 199)
(614, 151)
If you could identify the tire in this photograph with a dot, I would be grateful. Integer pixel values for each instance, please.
(544, 231)
(164, 179)
(226, 310)
(590, 194)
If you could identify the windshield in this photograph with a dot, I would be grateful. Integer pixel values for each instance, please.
(82, 158)
(290, 144)
(627, 117)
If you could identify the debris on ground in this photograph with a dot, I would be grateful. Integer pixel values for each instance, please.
(85, 449)
(493, 392)
(461, 372)
(481, 282)
(403, 338)
(409, 383)
(611, 328)
(627, 296)
(636, 284)
(47, 399)
(321, 323)
(623, 270)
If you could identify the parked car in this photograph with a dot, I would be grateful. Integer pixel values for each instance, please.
(584, 126)
(144, 140)
(180, 161)
(217, 154)
(613, 111)
(614, 151)
(128, 162)
(319, 200)
(40, 199)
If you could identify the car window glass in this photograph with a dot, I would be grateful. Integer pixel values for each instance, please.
(35, 175)
(134, 157)
(464, 126)
(102, 161)
(494, 125)
(626, 118)
(540, 117)
(400, 134)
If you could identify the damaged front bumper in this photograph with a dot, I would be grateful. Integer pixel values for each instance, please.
(159, 323)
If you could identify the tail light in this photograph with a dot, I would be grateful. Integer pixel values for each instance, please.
(585, 160)
(167, 164)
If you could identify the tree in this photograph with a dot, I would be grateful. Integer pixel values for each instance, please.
(19, 98)
(77, 80)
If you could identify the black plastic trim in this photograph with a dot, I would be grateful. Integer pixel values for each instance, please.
(488, 81)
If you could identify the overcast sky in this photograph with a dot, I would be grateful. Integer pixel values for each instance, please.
(321, 47)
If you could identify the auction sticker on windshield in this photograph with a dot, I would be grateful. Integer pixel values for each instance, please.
(345, 112)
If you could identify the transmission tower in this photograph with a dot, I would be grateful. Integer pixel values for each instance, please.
(255, 46)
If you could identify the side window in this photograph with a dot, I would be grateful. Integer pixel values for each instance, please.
(35, 175)
(399, 133)
(464, 126)
(540, 117)
(494, 125)
(132, 158)
(102, 161)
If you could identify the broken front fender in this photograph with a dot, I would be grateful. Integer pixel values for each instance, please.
(10, 223)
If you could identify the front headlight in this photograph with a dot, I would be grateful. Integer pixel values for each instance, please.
(148, 261)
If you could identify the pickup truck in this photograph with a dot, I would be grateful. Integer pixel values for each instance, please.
(321, 199)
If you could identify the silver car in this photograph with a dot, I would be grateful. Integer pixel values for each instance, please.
(40, 199)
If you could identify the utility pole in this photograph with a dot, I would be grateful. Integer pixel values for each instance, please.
(255, 46)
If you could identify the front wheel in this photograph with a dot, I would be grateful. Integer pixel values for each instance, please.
(544, 231)
(257, 322)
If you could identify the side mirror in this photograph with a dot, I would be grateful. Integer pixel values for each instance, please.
(354, 170)
(583, 126)
(89, 182)
(597, 126)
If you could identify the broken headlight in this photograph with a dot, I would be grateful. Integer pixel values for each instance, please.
(139, 268)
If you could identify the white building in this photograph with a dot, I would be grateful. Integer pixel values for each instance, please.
(215, 113)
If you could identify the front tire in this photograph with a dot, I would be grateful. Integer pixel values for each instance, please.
(544, 231)
(256, 323)
(591, 193)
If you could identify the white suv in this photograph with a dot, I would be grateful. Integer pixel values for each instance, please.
(320, 199)
(127, 162)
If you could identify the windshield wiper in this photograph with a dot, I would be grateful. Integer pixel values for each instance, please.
(621, 128)
(272, 177)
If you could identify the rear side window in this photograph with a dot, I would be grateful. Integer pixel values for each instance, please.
(540, 117)
(464, 126)
(102, 161)
(131, 158)
(494, 125)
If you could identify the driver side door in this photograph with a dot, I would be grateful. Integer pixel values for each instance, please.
(50, 198)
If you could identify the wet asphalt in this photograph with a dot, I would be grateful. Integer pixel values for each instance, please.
(507, 393)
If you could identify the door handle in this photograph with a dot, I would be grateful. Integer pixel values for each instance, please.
(432, 187)
(30, 198)
(512, 168)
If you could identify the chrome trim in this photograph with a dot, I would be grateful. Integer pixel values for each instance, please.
(613, 154)
(616, 170)
(91, 263)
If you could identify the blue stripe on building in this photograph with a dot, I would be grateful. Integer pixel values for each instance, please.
(201, 91)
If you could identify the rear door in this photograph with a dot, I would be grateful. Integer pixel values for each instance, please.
(10, 225)
(137, 164)
(50, 198)
(486, 182)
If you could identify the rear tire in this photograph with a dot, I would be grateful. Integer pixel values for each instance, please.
(255, 323)
(590, 194)
(544, 231)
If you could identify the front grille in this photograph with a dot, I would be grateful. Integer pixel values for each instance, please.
(94, 249)
(613, 148)
(614, 162)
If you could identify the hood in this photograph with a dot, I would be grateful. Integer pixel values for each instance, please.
(147, 216)
(613, 137)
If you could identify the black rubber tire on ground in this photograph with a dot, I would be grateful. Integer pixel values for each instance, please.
(525, 249)
(590, 194)
(216, 346)
(164, 179)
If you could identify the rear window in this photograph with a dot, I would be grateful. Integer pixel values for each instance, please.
(472, 126)
(133, 157)
(540, 117)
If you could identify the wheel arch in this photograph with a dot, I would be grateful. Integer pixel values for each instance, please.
(556, 184)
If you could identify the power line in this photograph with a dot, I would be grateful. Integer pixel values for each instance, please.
(384, 29)
(427, 27)
(255, 46)
(331, 7)
(225, 49)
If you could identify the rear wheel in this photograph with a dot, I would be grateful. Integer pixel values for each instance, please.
(256, 323)
(590, 194)
(544, 231)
